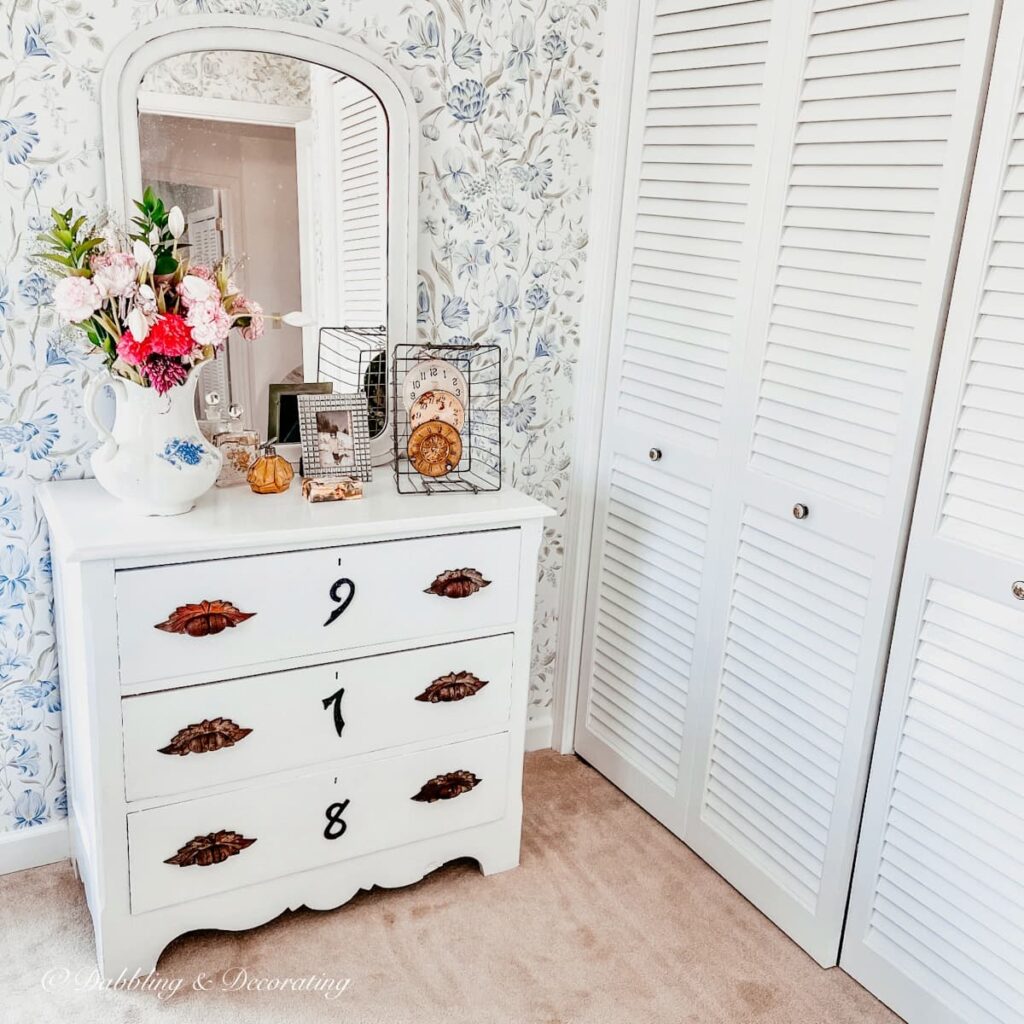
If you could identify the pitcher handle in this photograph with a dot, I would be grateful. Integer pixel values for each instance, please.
(92, 389)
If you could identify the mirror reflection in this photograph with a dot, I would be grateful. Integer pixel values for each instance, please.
(281, 165)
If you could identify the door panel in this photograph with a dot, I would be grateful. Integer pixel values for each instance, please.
(795, 187)
(854, 262)
(936, 922)
(695, 167)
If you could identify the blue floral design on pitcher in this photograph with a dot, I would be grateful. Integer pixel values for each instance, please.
(184, 451)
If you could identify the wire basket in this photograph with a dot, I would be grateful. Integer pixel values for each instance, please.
(355, 359)
(479, 367)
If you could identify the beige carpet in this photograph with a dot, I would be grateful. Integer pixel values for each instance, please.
(609, 920)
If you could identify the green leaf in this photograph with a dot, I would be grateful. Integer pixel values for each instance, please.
(165, 263)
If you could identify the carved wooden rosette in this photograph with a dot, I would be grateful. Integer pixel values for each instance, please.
(447, 786)
(206, 618)
(205, 736)
(458, 583)
(454, 686)
(213, 848)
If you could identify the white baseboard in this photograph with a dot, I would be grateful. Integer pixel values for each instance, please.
(32, 847)
(538, 733)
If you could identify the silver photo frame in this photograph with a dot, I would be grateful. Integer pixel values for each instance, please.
(335, 436)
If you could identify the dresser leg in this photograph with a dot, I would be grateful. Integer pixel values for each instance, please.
(125, 953)
(501, 849)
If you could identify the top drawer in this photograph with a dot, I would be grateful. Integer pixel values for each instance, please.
(205, 617)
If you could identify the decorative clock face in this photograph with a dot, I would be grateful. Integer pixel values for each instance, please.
(437, 405)
(433, 375)
(435, 448)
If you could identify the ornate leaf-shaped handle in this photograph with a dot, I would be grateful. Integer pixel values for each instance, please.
(205, 736)
(213, 848)
(207, 618)
(452, 687)
(447, 786)
(458, 583)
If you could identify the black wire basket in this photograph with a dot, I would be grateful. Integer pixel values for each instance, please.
(417, 369)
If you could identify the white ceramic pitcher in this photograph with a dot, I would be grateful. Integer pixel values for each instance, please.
(155, 459)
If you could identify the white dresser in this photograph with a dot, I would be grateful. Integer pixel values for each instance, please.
(270, 704)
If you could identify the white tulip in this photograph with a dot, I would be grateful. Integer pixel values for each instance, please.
(176, 222)
(297, 319)
(143, 256)
(138, 324)
(154, 235)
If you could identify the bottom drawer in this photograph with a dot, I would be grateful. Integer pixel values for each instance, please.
(200, 847)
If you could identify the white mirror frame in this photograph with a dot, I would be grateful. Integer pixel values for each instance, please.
(171, 37)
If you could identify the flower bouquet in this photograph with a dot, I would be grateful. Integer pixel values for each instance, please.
(152, 313)
(155, 317)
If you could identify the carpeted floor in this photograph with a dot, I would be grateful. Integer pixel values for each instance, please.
(609, 920)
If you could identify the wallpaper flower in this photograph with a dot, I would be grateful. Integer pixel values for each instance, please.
(507, 98)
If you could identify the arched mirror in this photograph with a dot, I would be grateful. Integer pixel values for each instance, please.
(290, 152)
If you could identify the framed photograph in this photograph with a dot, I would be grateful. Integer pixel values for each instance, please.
(335, 436)
(283, 409)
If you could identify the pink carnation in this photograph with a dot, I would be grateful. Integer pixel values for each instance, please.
(133, 352)
(249, 315)
(76, 298)
(170, 336)
(209, 322)
(114, 274)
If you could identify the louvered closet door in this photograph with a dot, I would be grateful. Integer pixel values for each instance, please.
(936, 922)
(865, 196)
(792, 227)
(696, 164)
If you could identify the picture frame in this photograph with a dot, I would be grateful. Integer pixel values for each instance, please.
(286, 429)
(335, 435)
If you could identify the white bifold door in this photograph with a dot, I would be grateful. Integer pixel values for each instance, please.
(795, 182)
(936, 923)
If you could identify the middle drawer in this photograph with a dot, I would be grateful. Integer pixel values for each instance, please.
(179, 740)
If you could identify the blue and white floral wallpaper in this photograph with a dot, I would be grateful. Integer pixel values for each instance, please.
(507, 99)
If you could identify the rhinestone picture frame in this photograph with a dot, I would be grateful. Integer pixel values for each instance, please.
(321, 419)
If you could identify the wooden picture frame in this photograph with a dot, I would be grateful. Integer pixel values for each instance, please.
(335, 436)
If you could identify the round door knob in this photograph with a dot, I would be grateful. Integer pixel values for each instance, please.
(801, 511)
(654, 455)
(1018, 590)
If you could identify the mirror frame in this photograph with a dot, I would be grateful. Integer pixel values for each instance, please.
(170, 37)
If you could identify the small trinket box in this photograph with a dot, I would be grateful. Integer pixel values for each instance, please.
(335, 488)
(240, 449)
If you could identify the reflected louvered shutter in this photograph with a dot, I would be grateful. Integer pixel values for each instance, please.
(362, 183)
(695, 167)
(798, 176)
(865, 195)
(936, 923)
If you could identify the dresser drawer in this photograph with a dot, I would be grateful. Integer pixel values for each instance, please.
(180, 740)
(188, 850)
(211, 617)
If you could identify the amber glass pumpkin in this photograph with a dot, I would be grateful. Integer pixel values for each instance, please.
(270, 473)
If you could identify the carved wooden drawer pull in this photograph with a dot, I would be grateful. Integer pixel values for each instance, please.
(202, 737)
(206, 618)
(454, 686)
(213, 848)
(447, 786)
(458, 583)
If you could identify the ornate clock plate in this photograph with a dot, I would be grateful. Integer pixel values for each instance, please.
(433, 375)
(437, 405)
(435, 448)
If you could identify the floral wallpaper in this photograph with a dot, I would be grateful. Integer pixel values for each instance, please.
(507, 97)
(232, 75)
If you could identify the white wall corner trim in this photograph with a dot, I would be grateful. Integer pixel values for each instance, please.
(33, 847)
(595, 327)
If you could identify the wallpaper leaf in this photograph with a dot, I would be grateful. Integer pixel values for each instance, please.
(506, 95)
